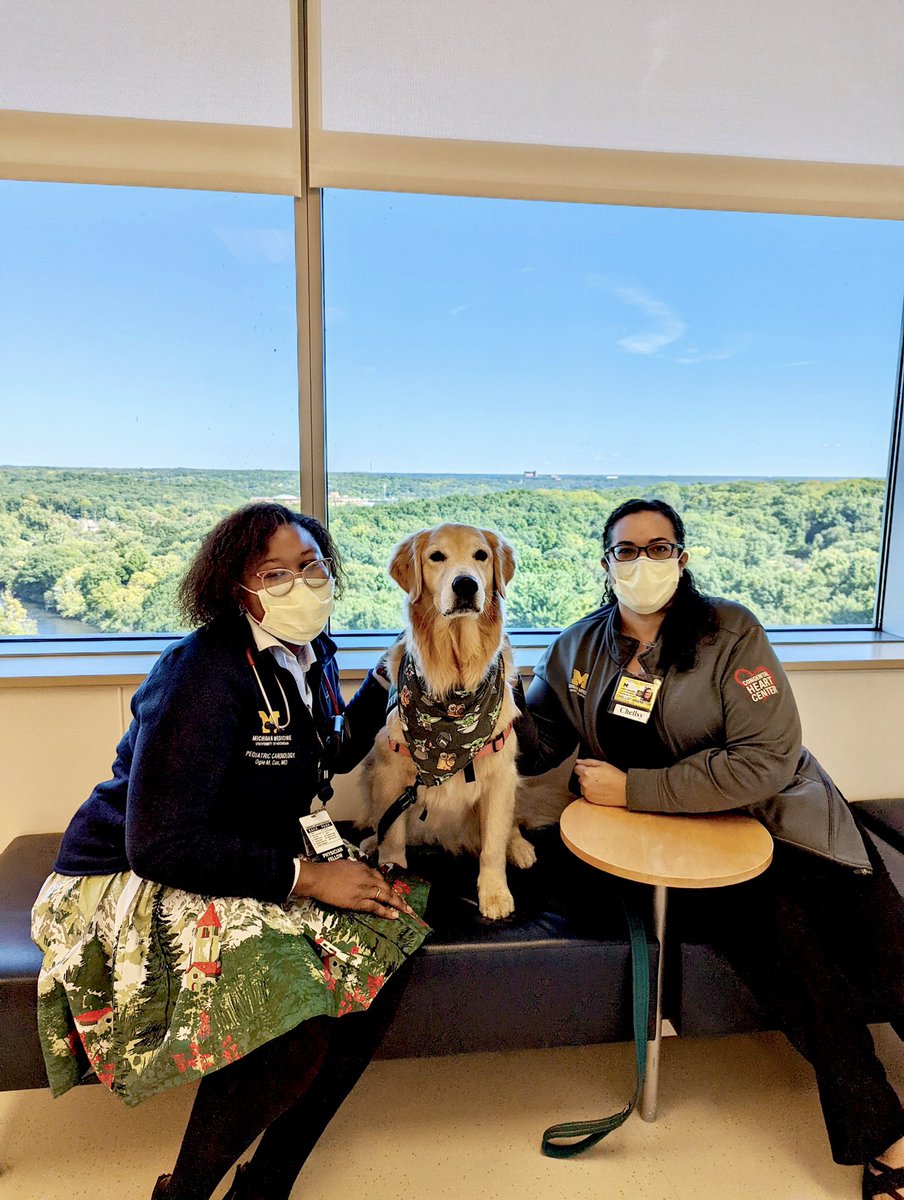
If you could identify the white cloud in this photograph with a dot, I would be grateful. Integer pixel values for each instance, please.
(734, 345)
(695, 356)
(670, 325)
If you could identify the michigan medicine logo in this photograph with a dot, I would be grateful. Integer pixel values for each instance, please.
(578, 683)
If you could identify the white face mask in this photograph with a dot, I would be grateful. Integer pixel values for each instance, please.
(645, 586)
(299, 616)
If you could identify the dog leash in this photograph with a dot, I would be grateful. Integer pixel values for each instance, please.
(591, 1132)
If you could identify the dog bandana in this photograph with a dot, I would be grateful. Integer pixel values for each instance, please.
(444, 734)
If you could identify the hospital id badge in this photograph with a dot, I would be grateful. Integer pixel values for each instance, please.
(634, 697)
(322, 839)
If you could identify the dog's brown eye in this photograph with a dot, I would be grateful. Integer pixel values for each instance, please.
(437, 556)
(480, 555)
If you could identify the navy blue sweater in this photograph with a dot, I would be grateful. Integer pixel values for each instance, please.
(205, 795)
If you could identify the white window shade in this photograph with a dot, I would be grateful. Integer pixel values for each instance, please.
(715, 103)
(199, 94)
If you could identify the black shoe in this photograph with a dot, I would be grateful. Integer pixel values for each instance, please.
(161, 1188)
(879, 1179)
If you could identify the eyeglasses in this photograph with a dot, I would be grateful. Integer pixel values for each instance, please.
(656, 551)
(316, 574)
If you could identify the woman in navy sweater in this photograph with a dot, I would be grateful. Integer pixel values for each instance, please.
(184, 928)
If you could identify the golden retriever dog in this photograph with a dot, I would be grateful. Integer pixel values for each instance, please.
(453, 648)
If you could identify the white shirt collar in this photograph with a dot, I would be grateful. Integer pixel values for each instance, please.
(266, 641)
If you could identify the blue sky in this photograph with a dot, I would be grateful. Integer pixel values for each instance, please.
(154, 328)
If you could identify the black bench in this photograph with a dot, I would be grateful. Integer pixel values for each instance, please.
(557, 973)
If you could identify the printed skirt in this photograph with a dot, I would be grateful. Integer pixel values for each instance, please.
(150, 986)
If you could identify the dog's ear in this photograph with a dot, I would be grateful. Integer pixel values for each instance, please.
(405, 564)
(503, 561)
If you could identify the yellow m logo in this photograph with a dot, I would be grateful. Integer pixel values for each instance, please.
(269, 721)
(578, 680)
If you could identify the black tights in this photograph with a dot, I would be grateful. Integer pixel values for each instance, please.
(289, 1089)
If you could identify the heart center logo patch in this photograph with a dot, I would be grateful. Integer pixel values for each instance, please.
(758, 682)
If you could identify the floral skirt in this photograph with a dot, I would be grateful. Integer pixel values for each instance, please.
(150, 986)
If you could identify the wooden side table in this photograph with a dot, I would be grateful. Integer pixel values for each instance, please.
(701, 851)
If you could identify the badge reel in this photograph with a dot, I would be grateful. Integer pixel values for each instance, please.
(635, 697)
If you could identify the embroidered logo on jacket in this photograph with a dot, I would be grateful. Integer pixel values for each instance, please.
(269, 721)
(759, 683)
(578, 683)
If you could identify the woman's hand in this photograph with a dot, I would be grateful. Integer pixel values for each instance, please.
(601, 783)
(349, 884)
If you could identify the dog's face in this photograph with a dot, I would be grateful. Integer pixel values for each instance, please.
(459, 569)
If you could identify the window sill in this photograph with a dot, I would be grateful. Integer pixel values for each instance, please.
(126, 661)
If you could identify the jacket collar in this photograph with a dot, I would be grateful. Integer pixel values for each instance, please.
(620, 647)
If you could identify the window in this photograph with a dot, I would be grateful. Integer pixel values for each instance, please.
(519, 364)
(529, 365)
(150, 385)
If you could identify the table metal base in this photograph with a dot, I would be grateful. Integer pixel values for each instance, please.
(650, 1095)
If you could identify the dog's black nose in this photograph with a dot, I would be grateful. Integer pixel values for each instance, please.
(464, 587)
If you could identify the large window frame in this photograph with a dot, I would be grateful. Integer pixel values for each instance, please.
(123, 656)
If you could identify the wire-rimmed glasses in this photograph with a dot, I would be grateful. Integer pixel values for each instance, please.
(316, 574)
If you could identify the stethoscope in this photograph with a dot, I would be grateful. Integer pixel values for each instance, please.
(325, 790)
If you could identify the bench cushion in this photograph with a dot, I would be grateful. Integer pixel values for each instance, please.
(556, 973)
(884, 817)
(24, 865)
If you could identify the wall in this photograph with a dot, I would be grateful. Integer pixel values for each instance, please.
(56, 742)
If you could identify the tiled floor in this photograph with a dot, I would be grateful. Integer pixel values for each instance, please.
(739, 1119)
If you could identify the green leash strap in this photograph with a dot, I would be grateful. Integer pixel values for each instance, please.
(591, 1132)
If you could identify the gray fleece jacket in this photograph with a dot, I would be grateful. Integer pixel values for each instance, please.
(731, 723)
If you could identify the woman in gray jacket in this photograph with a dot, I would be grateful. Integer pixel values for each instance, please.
(677, 704)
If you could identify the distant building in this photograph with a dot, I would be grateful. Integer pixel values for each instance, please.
(341, 501)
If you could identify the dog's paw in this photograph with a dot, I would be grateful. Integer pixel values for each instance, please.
(369, 846)
(495, 902)
(393, 858)
(520, 852)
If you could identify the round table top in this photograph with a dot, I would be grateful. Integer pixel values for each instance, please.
(690, 851)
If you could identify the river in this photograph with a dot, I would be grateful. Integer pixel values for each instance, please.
(53, 625)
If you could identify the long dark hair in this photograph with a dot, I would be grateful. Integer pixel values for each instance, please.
(690, 620)
(209, 588)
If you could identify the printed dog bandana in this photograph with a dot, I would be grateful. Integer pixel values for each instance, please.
(443, 734)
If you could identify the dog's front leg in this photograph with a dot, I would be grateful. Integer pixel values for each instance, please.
(386, 786)
(392, 847)
(497, 808)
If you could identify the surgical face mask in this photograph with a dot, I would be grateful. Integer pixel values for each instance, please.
(645, 586)
(299, 616)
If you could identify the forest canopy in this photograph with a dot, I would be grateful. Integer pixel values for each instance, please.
(107, 547)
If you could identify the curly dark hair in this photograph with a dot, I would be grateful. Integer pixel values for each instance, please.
(209, 588)
(690, 620)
